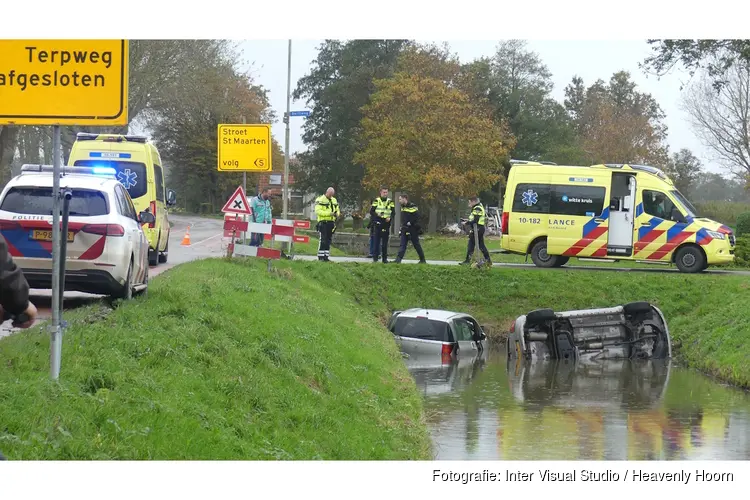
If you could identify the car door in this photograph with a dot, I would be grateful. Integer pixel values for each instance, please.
(464, 333)
(660, 226)
(133, 230)
(578, 219)
(161, 206)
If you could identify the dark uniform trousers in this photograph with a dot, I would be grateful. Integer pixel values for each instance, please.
(326, 234)
(381, 234)
(480, 236)
(406, 237)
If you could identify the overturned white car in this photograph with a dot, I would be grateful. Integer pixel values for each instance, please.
(634, 331)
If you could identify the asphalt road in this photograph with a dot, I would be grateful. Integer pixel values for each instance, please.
(205, 239)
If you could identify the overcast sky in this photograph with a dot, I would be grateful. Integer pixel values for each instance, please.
(588, 59)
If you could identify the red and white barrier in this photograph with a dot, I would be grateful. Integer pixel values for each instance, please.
(277, 230)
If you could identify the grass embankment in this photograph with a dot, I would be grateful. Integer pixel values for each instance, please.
(708, 315)
(222, 361)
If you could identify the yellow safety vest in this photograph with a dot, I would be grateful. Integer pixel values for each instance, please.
(477, 213)
(325, 209)
(385, 208)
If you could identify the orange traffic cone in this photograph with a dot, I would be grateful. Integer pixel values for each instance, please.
(186, 239)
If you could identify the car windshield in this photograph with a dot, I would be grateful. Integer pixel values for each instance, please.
(686, 205)
(422, 328)
(38, 201)
(132, 175)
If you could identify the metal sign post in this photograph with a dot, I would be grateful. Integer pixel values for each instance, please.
(56, 327)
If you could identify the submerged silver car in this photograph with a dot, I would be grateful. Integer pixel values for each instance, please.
(634, 331)
(436, 332)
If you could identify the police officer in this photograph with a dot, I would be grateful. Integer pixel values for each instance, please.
(371, 227)
(380, 215)
(409, 228)
(476, 222)
(327, 211)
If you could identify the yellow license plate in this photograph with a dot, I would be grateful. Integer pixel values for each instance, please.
(46, 235)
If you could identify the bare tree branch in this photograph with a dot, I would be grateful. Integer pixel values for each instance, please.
(722, 118)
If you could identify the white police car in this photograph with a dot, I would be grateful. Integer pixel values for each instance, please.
(107, 250)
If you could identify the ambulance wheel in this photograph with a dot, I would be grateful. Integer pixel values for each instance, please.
(690, 259)
(163, 256)
(540, 257)
(153, 257)
(561, 261)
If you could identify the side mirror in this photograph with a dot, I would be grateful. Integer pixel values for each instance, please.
(171, 197)
(146, 217)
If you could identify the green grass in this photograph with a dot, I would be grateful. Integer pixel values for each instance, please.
(222, 361)
(707, 314)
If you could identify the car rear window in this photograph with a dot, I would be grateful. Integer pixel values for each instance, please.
(38, 201)
(131, 174)
(422, 328)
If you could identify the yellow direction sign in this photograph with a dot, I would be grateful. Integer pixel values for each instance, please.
(245, 148)
(64, 82)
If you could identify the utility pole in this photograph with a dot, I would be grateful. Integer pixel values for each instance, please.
(57, 294)
(244, 186)
(286, 140)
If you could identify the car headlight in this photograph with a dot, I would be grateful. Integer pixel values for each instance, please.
(717, 235)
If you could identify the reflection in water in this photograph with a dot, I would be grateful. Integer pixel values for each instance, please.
(482, 408)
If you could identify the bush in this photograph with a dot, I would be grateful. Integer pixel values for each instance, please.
(742, 252)
(725, 212)
(743, 224)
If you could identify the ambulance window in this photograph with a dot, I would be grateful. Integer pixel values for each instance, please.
(658, 204)
(159, 174)
(577, 200)
(531, 198)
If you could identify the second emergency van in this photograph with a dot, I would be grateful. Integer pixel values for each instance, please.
(621, 212)
(139, 168)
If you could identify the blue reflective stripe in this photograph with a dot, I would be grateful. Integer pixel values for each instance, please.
(653, 224)
(639, 210)
(593, 224)
(21, 239)
(674, 231)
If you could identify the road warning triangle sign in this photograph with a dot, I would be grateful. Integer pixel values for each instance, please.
(237, 203)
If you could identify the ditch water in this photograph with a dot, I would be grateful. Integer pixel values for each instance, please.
(483, 409)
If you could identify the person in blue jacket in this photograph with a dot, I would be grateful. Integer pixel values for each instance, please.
(261, 207)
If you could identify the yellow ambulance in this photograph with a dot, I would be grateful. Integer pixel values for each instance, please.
(139, 169)
(620, 212)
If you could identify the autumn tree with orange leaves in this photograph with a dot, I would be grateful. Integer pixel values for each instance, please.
(423, 135)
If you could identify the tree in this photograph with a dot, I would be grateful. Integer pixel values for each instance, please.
(615, 123)
(685, 170)
(716, 57)
(338, 85)
(722, 117)
(160, 72)
(430, 139)
(187, 135)
(519, 88)
(715, 187)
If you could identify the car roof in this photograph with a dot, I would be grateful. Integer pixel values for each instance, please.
(436, 314)
(44, 179)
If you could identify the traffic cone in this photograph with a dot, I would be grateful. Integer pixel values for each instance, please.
(186, 239)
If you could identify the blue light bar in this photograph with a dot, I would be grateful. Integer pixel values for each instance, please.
(104, 171)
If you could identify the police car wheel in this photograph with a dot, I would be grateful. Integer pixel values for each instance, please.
(540, 257)
(690, 259)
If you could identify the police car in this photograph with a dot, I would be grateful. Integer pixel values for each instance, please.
(107, 250)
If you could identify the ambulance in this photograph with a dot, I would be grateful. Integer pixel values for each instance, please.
(618, 212)
(138, 167)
